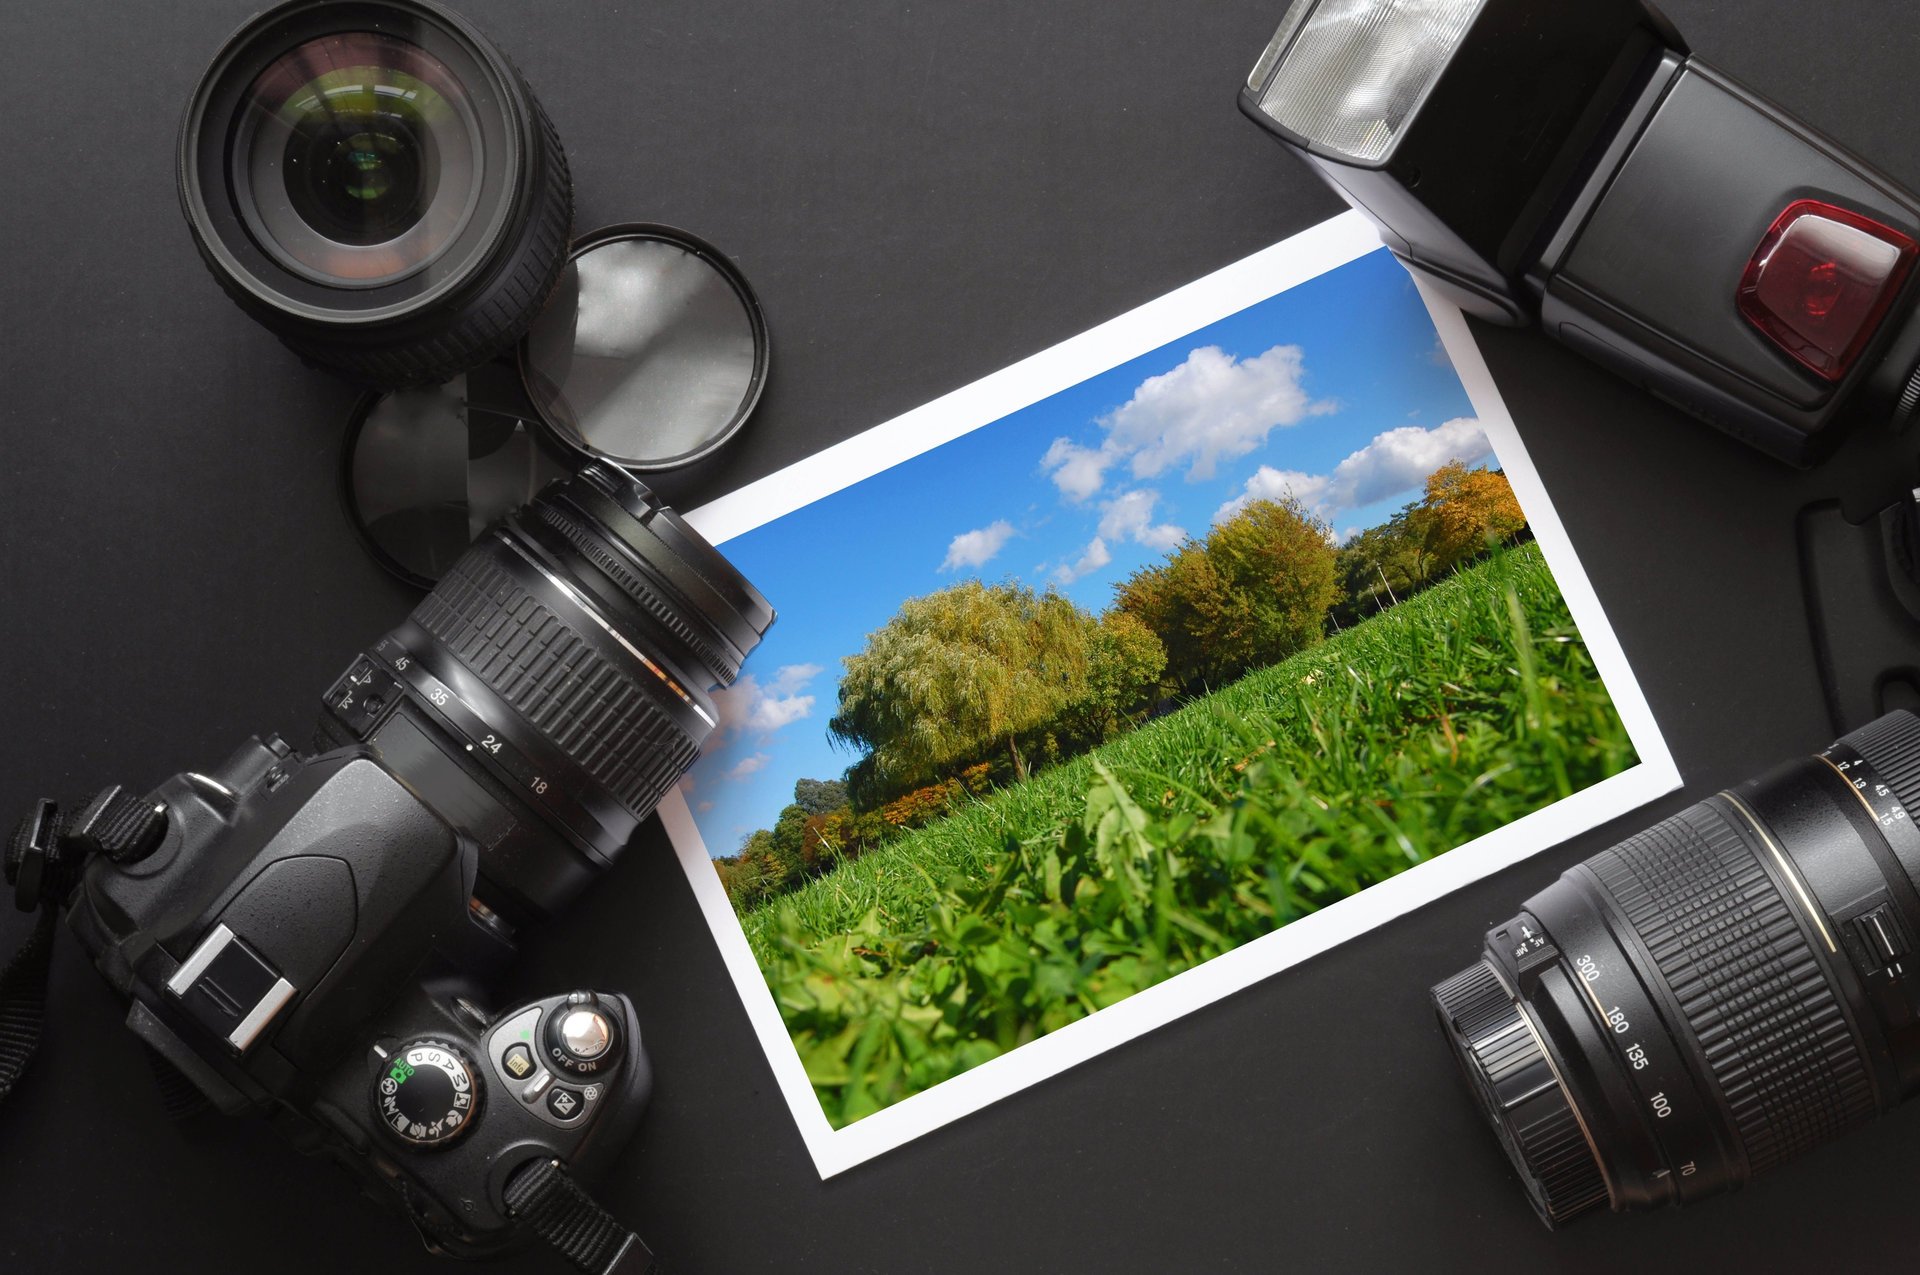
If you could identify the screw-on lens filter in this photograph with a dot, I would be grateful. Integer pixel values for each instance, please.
(425, 471)
(653, 351)
(651, 354)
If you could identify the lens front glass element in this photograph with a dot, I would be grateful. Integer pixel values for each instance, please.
(357, 159)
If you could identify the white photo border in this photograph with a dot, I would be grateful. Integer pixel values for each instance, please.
(1226, 292)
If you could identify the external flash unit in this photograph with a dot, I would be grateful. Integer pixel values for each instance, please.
(1572, 164)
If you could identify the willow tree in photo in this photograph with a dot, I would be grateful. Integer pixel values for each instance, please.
(958, 674)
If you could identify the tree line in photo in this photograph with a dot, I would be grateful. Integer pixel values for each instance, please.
(979, 685)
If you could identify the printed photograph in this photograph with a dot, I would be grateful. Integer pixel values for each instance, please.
(1154, 667)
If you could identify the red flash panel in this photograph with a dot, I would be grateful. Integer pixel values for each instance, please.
(1821, 282)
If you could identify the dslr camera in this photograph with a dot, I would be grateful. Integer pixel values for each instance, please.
(311, 935)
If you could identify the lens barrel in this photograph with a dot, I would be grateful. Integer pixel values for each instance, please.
(375, 182)
(554, 685)
(1704, 1001)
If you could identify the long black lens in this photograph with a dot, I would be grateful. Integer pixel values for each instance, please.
(375, 182)
(554, 685)
(1712, 997)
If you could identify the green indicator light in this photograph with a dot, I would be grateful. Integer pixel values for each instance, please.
(526, 1035)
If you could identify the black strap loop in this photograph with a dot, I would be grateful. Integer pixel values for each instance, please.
(23, 1001)
(42, 862)
(544, 1198)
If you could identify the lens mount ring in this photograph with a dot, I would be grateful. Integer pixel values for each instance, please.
(1522, 1094)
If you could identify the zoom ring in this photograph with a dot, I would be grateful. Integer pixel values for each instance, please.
(1522, 1093)
(588, 707)
(1756, 999)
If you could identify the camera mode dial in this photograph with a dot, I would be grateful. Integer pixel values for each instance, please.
(582, 1039)
(426, 1093)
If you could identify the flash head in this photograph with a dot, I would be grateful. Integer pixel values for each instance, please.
(1572, 164)
(1454, 124)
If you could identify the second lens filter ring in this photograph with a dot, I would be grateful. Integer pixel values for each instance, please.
(651, 356)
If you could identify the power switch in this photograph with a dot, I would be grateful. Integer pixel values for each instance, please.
(1882, 934)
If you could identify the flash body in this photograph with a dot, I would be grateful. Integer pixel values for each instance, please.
(315, 936)
(1575, 166)
(1712, 997)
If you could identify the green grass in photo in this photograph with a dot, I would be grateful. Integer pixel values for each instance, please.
(1411, 733)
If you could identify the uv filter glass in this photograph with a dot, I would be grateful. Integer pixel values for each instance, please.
(425, 471)
(653, 351)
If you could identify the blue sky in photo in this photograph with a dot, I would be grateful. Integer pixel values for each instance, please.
(1337, 392)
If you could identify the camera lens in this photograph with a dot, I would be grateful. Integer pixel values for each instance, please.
(554, 684)
(375, 182)
(1708, 999)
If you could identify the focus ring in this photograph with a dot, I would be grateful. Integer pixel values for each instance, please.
(1522, 1093)
(1774, 1036)
(663, 611)
(589, 707)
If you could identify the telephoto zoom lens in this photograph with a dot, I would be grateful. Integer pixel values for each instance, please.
(374, 182)
(1712, 997)
(555, 684)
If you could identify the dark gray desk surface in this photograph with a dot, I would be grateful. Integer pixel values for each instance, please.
(922, 193)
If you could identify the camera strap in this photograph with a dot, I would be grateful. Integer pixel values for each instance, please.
(42, 863)
(543, 1197)
(23, 1001)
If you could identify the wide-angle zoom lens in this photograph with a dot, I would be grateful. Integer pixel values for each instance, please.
(554, 685)
(1712, 997)
(375, 182)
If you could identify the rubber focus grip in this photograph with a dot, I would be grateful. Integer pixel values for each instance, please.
(1759, 1005)
(590, 708)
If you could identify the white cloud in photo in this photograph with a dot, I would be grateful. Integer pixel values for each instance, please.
(1212, 408)
(793, 677)
(1077, 471)
(1096, 556)
(752, 709)
(1395, 463)
(775, 711)
(1129, 516)
(1269, 483)
(974, 549)
(748, 766)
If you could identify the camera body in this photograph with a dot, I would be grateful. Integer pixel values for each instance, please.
(261, 941)
(312, 937)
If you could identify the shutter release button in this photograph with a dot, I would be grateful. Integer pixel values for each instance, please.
(585, 1033)
(581, 1038)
